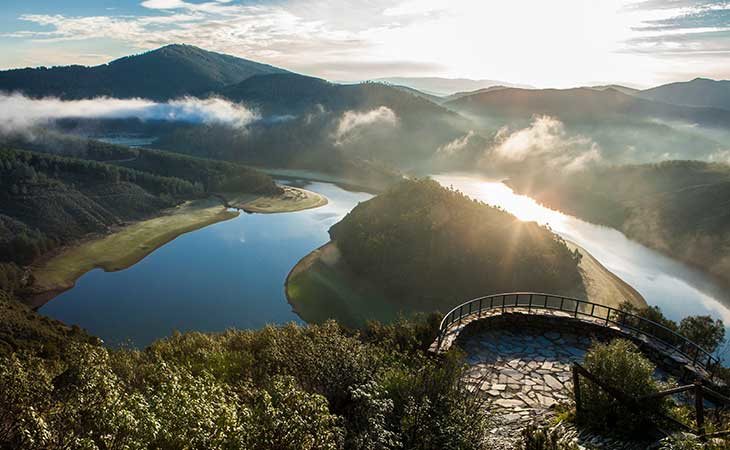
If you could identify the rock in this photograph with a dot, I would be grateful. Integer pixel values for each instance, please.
(506, 403)
(552, 382)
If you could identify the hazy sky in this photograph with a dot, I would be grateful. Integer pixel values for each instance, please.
(540, 42)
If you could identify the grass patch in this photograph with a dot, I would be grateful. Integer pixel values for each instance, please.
(320, 287)
(127, 246)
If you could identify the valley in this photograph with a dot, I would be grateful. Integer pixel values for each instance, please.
(200, 250)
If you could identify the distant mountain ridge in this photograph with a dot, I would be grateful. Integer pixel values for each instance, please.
(623, 89)
(582, 104)
(446, 86)
(700, 92)
(168, 72)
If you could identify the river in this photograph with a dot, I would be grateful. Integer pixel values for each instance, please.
(232, 274)
(679, 290)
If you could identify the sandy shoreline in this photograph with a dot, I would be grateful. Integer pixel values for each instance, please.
(602, 286)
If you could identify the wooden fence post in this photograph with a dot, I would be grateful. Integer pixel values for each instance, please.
(576, 388)
(700, 410)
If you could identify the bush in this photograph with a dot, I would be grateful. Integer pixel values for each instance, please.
(284, 388)
(534, 438)
(621, 365)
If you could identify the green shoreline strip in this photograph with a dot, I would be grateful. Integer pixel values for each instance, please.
(124, 248)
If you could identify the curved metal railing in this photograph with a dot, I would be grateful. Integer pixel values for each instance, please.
(535, 302)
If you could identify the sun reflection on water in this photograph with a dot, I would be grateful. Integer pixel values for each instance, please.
(498, 194)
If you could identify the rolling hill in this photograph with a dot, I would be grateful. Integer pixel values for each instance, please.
(583, 104)
(697, 92)
(445, 86)
(168, 72)
(319, 119)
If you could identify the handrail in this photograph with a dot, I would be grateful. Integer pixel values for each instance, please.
(700, 391)
(577, 307)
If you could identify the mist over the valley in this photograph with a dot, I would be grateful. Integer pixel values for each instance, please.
(18, 111)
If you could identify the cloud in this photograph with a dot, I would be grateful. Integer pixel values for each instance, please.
(353, 122)
(545, 141)
(18, 111)
(722, 156)
(683, 27)
(455, 146)
(356, 40)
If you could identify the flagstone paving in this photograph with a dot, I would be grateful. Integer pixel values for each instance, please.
(522, 374)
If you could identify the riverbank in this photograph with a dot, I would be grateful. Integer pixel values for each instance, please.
(320, 287)
(293, 199)
(368, 186)
(121, 248)
(129, 244)
(603, 286)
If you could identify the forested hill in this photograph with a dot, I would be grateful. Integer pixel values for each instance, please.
(425, 244)
(48, 200)
(291, 93)
(679, 207)
(168, 72)
(312, 123)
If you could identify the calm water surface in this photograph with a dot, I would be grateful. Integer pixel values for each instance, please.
(230, 274)
(678, 289)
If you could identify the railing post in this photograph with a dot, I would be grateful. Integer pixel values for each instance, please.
(700, 410)
(577, 304)
(529, 306)
(461, 308)
(503, 300)
(576, 388)
(480, 307)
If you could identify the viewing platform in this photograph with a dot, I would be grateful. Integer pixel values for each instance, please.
(571, 314)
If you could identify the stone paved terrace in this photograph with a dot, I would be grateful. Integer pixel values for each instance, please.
(669, 356)
(522, 374)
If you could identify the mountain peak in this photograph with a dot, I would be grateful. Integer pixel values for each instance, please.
(167, 72)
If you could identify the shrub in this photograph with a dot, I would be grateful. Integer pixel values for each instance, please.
(621, 365)
(535, 438)
(285, 388)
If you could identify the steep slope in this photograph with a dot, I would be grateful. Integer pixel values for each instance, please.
(167, 72)
(697, 92)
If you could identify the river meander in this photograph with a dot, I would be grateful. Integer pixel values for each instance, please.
(232, 274)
